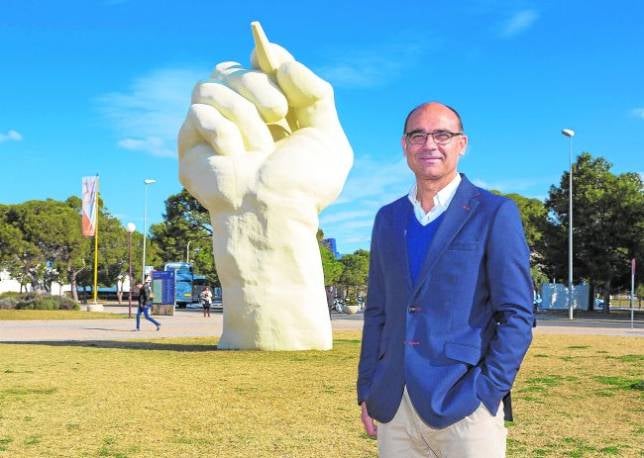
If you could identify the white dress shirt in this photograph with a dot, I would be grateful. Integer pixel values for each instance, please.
(442, 200)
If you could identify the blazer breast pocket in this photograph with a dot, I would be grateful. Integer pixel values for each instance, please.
(463, 246)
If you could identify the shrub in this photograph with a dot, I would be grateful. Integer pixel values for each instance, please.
(35, 301)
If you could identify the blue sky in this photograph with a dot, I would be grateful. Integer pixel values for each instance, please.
(102, 87)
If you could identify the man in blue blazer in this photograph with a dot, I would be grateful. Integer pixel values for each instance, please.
(449, 308)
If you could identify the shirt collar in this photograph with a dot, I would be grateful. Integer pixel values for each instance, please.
(442, 199)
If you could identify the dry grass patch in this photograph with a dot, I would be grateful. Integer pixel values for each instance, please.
(181, 397)
(580, 396)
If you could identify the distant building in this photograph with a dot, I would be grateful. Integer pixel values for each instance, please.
(330, 244)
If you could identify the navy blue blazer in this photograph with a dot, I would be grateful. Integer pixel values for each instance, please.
(457, 337)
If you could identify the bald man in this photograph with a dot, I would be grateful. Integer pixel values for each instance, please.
(449, 309)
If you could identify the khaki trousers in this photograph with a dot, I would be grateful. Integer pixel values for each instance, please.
(479, 435)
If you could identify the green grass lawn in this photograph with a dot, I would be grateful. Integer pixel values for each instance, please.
(58, 315)
(575, 396)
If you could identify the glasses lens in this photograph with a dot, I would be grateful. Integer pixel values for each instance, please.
(417, 138)
(442, 136)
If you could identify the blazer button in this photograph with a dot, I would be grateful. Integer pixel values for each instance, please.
(412, 309)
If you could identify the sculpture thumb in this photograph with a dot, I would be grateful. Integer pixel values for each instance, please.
(267, 56)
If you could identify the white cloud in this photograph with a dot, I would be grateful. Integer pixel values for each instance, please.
(148, 115)
(365, 72)
(518, 23)
(374, 67)
(345, 215)
(507, 186)
(153, 145)
(371, 178)
(638, 112)
(371, 184)
(11, 135)
(523, 186)
(481, 183)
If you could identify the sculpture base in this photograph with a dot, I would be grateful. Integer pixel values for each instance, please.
(94, 308)
(162, 309)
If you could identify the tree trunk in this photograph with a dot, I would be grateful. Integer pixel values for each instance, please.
(591, 297)
(73, 283)
(73, 287)
(329, 296)
(607, 296)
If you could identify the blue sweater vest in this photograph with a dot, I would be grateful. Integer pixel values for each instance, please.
(419, 239)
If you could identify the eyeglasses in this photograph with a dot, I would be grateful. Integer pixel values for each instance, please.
(440, 137)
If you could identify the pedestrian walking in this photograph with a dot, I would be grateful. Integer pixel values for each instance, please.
(145, 303)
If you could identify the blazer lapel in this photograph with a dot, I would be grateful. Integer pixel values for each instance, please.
(459, 211)
(400, 232)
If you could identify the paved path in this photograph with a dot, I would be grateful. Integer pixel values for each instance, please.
(191, 323)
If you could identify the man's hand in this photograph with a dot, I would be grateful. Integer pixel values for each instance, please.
(369, 423)
(263, 150)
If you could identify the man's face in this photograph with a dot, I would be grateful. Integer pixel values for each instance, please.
(432, 161)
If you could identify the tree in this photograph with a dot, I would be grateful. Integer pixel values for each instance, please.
(41, 242)
(534, 218)
(48, 237)
(608, 223)
(15, 252)
(331, 268)
(186, 231)
(355, 274)
(113, 259)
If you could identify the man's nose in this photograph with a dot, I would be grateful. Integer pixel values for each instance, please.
(430, 142)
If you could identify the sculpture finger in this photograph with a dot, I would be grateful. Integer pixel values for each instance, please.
(302, 87)
(205, 123)
(195, 170)
(255, 86)
(237, 109)
(310, 97)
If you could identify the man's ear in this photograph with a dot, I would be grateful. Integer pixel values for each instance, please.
(464, 141)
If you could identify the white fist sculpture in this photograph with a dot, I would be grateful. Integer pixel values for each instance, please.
(263, 150)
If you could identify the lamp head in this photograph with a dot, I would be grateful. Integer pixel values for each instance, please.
(568, 132)
(130, 227)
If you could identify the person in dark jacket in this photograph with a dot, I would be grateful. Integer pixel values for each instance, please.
(145, 302)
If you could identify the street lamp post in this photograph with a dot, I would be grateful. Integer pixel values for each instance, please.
(146, 182)
(569, 133)
(130, 229)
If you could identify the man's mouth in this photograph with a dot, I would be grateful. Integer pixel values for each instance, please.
(430, 158)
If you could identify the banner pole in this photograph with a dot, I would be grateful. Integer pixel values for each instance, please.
(95, 289)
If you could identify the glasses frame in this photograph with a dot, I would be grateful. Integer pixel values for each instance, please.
(433, 134)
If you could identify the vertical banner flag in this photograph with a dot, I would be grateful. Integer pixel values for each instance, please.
(90, 206)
